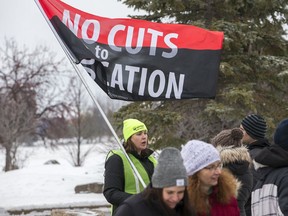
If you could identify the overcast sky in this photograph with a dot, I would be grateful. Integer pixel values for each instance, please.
(23, 21)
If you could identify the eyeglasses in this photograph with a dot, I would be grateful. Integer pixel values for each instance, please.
(214, 167)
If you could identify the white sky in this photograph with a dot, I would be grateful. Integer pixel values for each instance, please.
(22, 20)
(50, 186)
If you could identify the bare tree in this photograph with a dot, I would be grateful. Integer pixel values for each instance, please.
(86, 122)
(27, 90)
(17, 120)
(77, 97)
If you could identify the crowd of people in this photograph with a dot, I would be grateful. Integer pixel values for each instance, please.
(238, 173)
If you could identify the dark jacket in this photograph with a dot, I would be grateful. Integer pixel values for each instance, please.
(253, 149)
(270, 194)
(141, 205)
(114, 180)
(237, 161)
(272, 156)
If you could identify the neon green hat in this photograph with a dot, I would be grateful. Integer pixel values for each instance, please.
(132, 126)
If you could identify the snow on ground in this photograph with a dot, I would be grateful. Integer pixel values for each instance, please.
(40, 186)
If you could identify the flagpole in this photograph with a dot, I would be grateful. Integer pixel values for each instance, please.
(72, 61)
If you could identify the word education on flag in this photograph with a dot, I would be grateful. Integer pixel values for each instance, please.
(138, 60)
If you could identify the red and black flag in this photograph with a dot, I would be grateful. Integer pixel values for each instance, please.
(138, 60)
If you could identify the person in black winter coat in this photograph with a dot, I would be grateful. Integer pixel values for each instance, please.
(235, 157)
(270, 195)
(254, 128)
(120, 181)
(167, 193)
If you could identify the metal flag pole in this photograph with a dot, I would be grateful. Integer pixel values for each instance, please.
(72, 61)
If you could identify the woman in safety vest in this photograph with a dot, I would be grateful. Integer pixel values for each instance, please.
(120, 182)
(166, 195)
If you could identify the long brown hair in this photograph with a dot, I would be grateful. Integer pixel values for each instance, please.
(129, 146)
(226, 189)
(154, 197)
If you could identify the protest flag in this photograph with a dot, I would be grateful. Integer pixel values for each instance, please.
(138, 60)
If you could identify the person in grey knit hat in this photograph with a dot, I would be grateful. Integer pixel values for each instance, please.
(254, 128)
(170, 170)
(166, 195)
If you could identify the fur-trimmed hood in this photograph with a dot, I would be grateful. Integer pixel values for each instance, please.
(231, 154)
(236, 159)
(229, 182)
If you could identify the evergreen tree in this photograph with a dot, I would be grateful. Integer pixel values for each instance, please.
(253, 73)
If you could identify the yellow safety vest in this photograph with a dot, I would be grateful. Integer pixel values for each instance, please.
(132, 183)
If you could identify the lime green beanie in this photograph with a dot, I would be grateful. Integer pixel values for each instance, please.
(132, 126)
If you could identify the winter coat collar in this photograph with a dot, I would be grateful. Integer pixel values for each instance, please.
(261, 143)
(144, 154)
(273, 156)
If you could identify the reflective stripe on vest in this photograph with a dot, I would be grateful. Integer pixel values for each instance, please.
(132, 184)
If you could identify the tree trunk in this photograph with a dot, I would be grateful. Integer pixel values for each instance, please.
(8, 159)
(78, 151)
